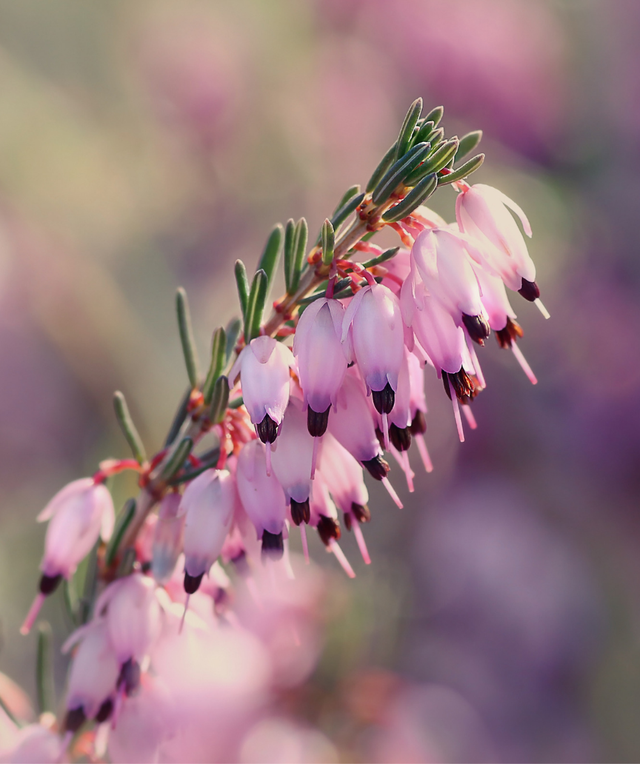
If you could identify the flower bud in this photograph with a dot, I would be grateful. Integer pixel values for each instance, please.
(208, 503)
(264, 375)
(374, 320)
(322, 359)
(262, 496)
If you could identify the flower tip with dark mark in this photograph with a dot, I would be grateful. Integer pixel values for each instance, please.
(529, 290)
(400, 437)
(317, 422)
(192, 583)
(48, 584)
(477, 327)
(272, 545)
(267, 430)
(377, 467)
(384, 399)
(328, 529)
(300, 511)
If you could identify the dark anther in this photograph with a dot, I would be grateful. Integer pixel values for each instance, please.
(361, 512)
(477, 326)
(529, 290)
(466, 386)
(400, 437)
(377, 467)
(328, 529)
(48, 584)
(146, 566)
(419, 424)
(317, 422)
(105, 711)
(192, 583)
(349, 365)
(507, 336)
(272, 545)
(74, 720)
(129, 676)
(384, 399)
(300, 511)
(267, 429)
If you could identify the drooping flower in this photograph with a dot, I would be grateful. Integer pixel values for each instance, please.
(264, 374)
(443, 261)
(208, 503)
(133, 623)
(482, 212)
(93, 676)
(78, 515)
(262, 497)
(322, 359)
(373, 318)
(292, 461)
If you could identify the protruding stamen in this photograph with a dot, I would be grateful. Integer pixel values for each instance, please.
(385, 431)
(287, 561)
(391, 491)
(32, 614)
(523, 363)
(314, 457)
(305, 543)
(540, 306)
(424, 453)
(469, 416)
(268, 458)
(476, 365)
(362, 546)
(184, 614)
(334, 547)
(407, 470)
(456, 409)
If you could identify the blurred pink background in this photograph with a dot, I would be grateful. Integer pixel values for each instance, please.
(148, 145)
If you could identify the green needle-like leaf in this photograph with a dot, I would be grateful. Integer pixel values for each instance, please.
(242, 282)
(435, 115)
(44, 670)
(463, 171)
(255, 306)
(218, 360)
(234, 327)
(413, 199)
(186, 337)
(468, 143)
(328, 242)
(399, 171)
(177, 459)
(122, 523)
(439, 159)
(128, 427)
(271, 254)
(219, 400)
(406, 131)
(385, 163)
(299, 252)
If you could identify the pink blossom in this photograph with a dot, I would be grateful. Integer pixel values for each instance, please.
(93, 676)
(442, 259)
(264, 374)
(373, 318)
(35, 744)
(262, 497)
(79, 513)
(482, 212)
(292, 460)
(208, 502)
(322, 359)
(133, 623)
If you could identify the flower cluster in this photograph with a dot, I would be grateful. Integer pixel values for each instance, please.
(296, 424)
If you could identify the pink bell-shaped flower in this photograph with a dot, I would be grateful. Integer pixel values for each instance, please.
(482, 212)
(133, 623)
(374, 320)
(208, 503)
(292, 460)
(442, 259)
(93, 676)
(352, 425)
(78, 514)
(322, 359)
(168, 537)
(262, 498)
(264, 375)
